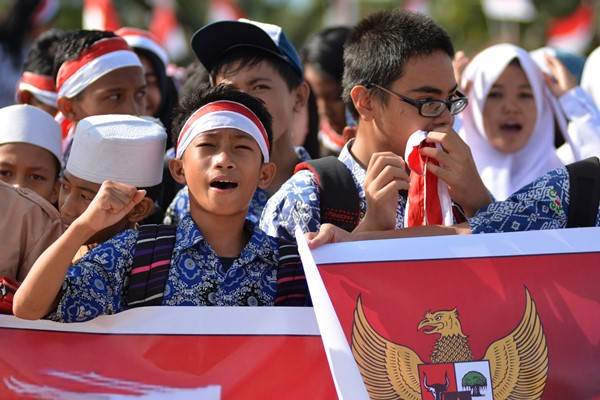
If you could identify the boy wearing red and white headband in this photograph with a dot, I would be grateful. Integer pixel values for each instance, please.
(256, 58)
(97, 73)
(218, 258)
(37, 86)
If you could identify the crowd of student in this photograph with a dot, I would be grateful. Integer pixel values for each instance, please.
(104, 144)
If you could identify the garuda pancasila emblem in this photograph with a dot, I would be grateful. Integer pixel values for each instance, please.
(518, 363)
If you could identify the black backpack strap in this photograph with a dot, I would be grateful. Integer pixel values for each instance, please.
(151, 265)
(584, 192)
(292, 288)
(339, 198)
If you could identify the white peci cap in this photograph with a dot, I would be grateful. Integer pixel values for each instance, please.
(120, 148)
(23, 123)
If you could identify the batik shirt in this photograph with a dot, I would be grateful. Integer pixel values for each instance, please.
(297, 202)
(180, 206)
(95, 284)
(543, 204)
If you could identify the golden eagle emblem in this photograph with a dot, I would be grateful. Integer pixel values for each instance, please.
(518, 363)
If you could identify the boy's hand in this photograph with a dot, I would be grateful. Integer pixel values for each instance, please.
(457, 168)
(561, 80)
(111, 204)
(459, 63)
(328, 233)
(386, 175)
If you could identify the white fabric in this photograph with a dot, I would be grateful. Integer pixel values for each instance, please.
(415, 139)
(274, 31)
(142, 42)
(590, 78)
(503, 173)
(120, 148)
(96, 69)
(45, 96)
(219, 120)
(23, 123)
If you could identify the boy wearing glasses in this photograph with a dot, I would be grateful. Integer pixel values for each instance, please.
(398, 79)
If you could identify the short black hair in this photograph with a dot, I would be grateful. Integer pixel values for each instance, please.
(324, 51)
(74, 43)
(40, 59)
(242, 57)
(382, 43)
(207, 94)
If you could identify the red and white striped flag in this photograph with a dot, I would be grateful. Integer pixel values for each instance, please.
(100, 14)
(224, 10)
(574, 32)
(165, 26)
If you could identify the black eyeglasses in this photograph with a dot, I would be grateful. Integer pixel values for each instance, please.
(430, 108)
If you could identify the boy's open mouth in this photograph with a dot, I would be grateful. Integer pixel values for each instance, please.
(223, 184)
(511, 127)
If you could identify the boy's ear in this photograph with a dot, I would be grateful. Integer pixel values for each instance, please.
(24, 97)
(363, 102)
(301, 96)
(67, 108)
(176, 170)
(142, 210)
(267, 174)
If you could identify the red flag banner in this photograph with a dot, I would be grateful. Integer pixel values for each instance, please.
(167, 353)
(495, 316)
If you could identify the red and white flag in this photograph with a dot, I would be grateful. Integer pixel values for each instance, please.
(100, 14)
(224, 10)
(428, 202)
(165, 26)
(574, 32)
(491, 316)
(168, 353)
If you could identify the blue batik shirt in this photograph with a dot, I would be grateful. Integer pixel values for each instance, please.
(180, 206)
(543, 204)
(95, 284)
(297, 202)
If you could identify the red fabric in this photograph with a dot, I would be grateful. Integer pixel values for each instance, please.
(110, 18)
(338, 139)
(42, 82)
(225, 105)
(423, 189)
(489, 296)
(246, 367)
(164, 21)
(582, 17)
(65, 125)
(128, 31)
(101, 47)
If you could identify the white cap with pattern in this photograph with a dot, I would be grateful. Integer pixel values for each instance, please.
(120, 148)
(23, 123)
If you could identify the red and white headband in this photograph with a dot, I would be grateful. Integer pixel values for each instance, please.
(223, 114)
(41, 86)
(103, 57)
(140, 39)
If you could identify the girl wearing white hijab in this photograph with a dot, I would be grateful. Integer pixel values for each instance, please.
(513, 111)
(590, 82)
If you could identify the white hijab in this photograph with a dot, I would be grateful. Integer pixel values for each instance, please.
(590, 81)
(503, 173)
